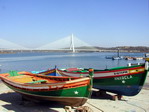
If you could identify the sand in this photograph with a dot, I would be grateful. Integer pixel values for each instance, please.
(11, 101)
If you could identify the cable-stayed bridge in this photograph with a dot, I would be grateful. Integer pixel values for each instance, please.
(7, 45)
(69, 43)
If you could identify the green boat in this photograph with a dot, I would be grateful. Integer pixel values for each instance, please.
(127, 80)
(71, 91)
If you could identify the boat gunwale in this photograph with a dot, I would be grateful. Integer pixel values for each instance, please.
(47, 84)
(119, 75)
(104, 71)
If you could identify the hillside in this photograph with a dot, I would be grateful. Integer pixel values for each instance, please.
(127, 48)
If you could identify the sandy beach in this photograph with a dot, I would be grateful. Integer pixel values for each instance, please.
(11, 101)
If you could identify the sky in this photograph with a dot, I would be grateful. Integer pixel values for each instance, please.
(103, 23)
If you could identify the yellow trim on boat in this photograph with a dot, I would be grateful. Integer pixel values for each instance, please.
(136, 70)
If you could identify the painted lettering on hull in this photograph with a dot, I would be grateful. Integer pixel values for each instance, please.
(121, 72)
(123, 78)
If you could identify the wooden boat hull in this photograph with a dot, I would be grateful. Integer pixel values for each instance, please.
(126, 81)
(72, 93)
(128, 85)
(56, 96)
(78, 101)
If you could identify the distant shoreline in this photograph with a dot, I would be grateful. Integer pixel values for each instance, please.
(46, 51)
(127, 49)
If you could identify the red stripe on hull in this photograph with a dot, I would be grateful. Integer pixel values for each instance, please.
(96, 72)
(66, 86)
(118, 75)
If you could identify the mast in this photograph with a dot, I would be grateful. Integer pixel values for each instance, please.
(118, 52)
(72, 44)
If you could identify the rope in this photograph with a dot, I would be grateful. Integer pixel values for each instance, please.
(95, 107)
(136, 106)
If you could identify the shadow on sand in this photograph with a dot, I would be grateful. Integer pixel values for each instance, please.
(13, 102)
(106, 96)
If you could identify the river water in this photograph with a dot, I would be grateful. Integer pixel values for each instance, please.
(42, 61)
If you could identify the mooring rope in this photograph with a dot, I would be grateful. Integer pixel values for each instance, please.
(136, 106)
(95, 107)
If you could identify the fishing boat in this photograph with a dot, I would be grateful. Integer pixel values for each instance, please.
(71, 91)
(118, 57)
(127, 80)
